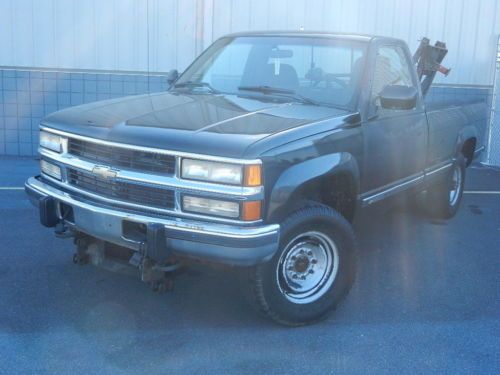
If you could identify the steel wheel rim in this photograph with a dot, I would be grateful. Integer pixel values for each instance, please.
(307, 267)
(456, 184)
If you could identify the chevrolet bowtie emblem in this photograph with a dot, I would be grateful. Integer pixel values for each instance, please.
(104, 172)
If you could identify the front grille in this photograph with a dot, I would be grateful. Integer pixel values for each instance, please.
(145, 195)
(122, 157)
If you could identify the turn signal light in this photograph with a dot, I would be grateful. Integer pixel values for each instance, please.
(251, 210)
(253, 175)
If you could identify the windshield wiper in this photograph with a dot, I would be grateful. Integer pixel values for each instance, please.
(279, 91)
(190, 84)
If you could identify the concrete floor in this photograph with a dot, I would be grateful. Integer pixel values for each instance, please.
(426, 301)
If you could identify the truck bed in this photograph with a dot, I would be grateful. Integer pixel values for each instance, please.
(446, 117)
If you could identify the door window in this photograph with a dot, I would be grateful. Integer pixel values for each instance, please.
(391, 68)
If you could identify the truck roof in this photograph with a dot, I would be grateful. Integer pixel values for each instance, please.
(323, 34)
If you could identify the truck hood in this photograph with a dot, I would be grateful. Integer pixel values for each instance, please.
(221, 125)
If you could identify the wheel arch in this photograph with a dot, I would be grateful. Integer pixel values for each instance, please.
(468, 148)
(467, 143)
(331, 179)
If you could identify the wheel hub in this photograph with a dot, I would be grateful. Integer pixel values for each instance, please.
(301, 264)
(307, 267)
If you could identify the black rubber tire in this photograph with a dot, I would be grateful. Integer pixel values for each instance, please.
(262, 283)
(438, 196)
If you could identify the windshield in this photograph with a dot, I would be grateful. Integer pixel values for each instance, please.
(324, 70)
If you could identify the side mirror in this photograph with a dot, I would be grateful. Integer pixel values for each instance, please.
(398, 97)
(172, 76)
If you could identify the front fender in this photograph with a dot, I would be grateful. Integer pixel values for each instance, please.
(295, 178)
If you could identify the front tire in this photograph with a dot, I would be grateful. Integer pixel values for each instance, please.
(311, 272)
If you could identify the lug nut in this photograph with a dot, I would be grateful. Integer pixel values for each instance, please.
(303, 277)
(311, 271)
(314, 261)
(310, 253)
(294, 276)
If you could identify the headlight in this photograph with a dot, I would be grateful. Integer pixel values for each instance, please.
(224, 173)
(211, 206)
(212, 171)
(51, 141)
(50, 169)
(246, 211)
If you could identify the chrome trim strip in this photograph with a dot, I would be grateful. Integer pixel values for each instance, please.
(173, 182)
(392, 190)
(404, 185)
(151, 149)
(207, 228)
(430, 172)
(153, 210)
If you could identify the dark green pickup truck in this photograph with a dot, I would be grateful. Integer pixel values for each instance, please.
(258, 157)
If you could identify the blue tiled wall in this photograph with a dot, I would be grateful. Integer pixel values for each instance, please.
(458, 94)
(26, 96)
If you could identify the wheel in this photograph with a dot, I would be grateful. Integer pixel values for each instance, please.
(444, 199)
(312, 270)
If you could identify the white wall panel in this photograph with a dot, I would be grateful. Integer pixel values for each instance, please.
(22, 31)
(125, 35)
(157, 35)
(185, 35)
(85, 53)
(43, 37)
(68, 50)
(6, 46)
(99, 34)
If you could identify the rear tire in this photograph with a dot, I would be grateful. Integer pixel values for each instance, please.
(443, 199)
(312, 270)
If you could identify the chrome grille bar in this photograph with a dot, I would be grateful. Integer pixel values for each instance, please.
(131, 192)
(148, 162)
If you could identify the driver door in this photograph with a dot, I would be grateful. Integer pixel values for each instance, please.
(395, 141)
